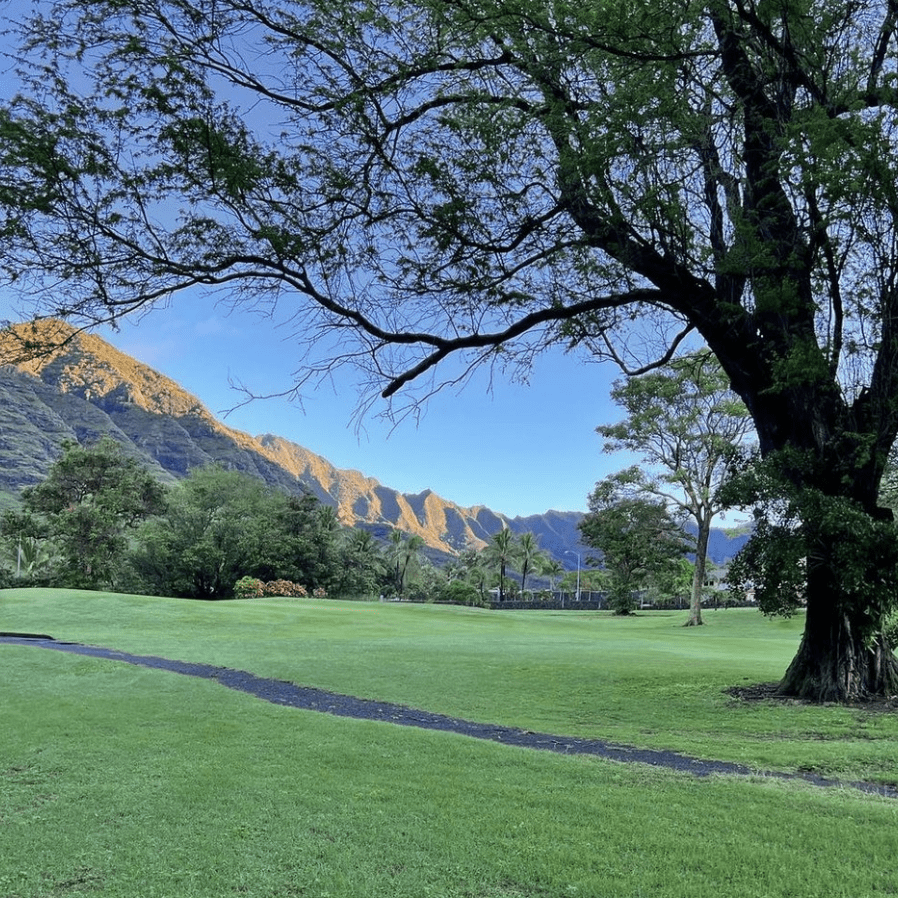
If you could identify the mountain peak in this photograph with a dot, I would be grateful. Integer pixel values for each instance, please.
(62, 383)
(83, 364)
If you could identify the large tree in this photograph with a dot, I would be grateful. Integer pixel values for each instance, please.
(687, 425)
(483, 178)
(221, 525)
(90, 502)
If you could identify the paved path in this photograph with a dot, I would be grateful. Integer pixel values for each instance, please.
(311, 699)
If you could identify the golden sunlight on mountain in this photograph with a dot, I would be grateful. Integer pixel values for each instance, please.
(83, 387)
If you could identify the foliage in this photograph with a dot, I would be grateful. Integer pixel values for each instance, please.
(306, 546)
(83, 512)
(552, 568)
(483, 180)
(638, 539)
(792, 525)
(27, 548)
(285, 589)
(687, 424)
(249, 588)
(361, 564)
(222, 525)
(405, 553)
(501, 553)
(472, 567)
(457, 592)
(253, 588)
(428, 583)
(591, 580)
(675, 585)
(529, 557)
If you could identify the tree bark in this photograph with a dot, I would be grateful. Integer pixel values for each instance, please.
(838, 659)
(835, 665)
(698, 580)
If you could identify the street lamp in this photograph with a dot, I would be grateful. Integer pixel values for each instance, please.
(572, 552)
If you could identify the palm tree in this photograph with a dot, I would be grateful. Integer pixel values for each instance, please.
(530, 556)
(552, 568)
(406, 551)
(471, 567)
(33, 556)
(500, 552)
(363, 567)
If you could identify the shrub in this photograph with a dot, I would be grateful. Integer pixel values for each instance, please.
(285, 588)
(460, 593)
(249, 588)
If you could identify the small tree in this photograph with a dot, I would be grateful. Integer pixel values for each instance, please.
(638, 539)
(686, 423)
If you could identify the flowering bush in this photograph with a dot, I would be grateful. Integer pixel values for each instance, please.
(285, 588)
(319, 592)
(249, 588)
(253, 588)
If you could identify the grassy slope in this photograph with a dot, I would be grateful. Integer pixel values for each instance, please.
(646, 681)
(121, 782)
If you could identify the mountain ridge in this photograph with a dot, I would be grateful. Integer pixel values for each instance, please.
(58, 383)
(84, 387)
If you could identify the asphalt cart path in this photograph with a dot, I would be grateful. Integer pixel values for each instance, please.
(308, 698)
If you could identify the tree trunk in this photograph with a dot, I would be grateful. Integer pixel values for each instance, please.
(831, 453)
(698, 580)
(838, 660)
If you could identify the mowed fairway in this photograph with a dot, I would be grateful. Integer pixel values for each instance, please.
(117, 780)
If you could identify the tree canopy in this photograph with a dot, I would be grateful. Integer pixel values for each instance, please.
(221, 525)
(687, 425)
(639, 539)
(484, 178)
(90, 500)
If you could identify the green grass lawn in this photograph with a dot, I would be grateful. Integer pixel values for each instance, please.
(120, 781)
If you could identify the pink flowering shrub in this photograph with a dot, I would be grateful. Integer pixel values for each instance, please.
(249, 588)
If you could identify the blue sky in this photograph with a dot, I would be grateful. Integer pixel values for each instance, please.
(518, 449)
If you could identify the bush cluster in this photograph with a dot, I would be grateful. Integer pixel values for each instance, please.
(253, 588)
(249, 588)
(285, 588)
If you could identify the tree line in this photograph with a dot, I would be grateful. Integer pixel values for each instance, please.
(99, 520)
